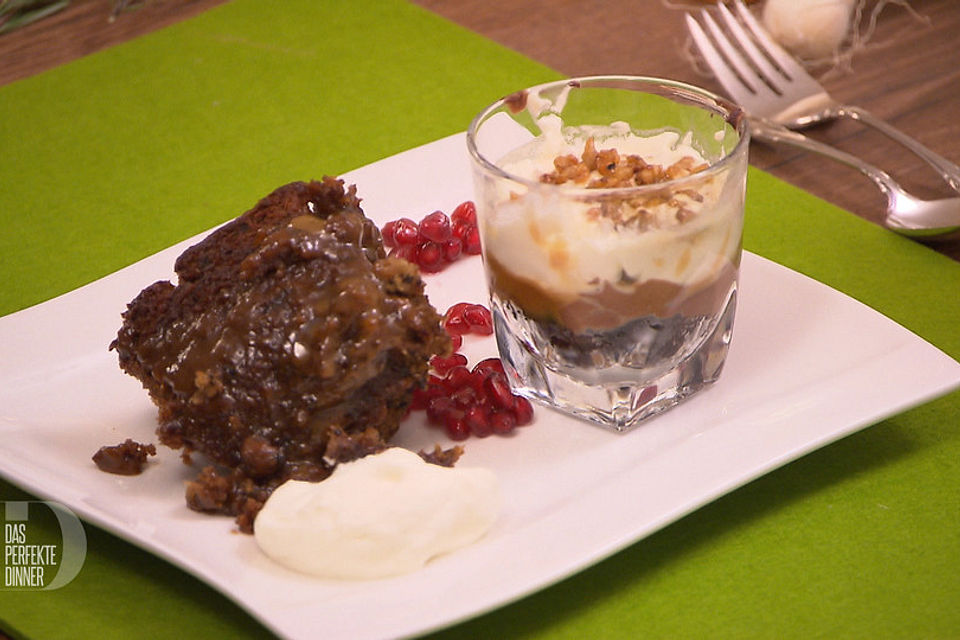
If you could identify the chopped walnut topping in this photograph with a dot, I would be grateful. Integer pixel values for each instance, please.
(567, 169)
(608, 169)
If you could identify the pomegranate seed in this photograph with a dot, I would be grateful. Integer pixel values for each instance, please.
(458, 308)
(439, 408)
(479, 319)
(420, 399)
(452, 249)
(466, 317)
(432, 391)
(443, 365)
(490, 364)
(464, 397)
(430, 257)
(388, 232)
(454, 321)
(471, 241)
(478, 421)
(436, 227)
(409, 252)
(498, 390)
(502, 422)
(523, 411)
(465, 213)
(406, 231)
(477, 381)
(457, 377)
(457, 341)
(460, 230)
(456, 428)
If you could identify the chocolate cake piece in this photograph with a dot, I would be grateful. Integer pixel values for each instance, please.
(284, 324)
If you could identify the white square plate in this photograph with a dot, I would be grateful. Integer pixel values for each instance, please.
(808, 366)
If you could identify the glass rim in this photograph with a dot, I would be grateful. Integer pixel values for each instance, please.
(732, 114)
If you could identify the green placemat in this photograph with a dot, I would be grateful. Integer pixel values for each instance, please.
(113, 157)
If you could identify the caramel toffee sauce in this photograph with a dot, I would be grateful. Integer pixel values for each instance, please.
(612, 305)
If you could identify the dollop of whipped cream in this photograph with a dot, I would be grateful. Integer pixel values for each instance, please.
(382, 515)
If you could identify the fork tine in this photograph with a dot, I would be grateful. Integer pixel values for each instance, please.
(736, 86)
(770, 73)
(747, 74)
(784, 60)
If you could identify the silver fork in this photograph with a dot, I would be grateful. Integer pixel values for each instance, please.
(768, 82)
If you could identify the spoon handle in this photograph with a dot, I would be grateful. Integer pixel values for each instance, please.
(947, 170)
(772, 132)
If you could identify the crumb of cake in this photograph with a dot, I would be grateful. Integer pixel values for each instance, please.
(442, 457)
(126, 459)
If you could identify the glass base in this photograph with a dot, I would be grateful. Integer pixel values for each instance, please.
(618, 398)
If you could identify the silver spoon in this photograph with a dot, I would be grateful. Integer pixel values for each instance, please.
(906, 214)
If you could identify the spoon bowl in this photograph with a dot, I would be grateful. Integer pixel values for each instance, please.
(912, 216)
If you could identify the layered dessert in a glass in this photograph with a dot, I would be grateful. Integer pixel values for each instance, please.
(611, 214)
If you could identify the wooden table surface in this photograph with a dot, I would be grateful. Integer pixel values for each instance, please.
(909, 73)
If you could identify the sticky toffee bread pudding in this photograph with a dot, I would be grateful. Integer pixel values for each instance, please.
(290, 342)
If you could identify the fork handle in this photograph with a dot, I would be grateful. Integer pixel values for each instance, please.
(772, 132)
(949, 171)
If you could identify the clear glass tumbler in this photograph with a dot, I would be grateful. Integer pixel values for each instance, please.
(611, 215)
